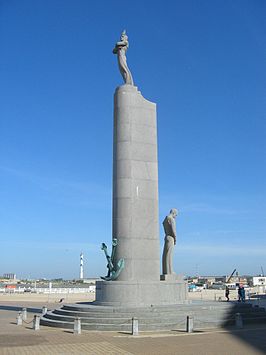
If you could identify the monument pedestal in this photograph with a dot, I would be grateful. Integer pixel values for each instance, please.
(140, 294)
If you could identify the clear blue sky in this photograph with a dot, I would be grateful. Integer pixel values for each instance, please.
(202, 62)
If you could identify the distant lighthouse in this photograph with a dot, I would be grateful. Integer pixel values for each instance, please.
(81, 266)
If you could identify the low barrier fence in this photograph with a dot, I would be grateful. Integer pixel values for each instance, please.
(47, 290)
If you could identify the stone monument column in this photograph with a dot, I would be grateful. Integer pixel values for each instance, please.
(134, 266)
(135, 185)
(133, 286)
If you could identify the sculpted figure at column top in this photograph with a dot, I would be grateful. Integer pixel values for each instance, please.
(120, 49)
(169, 241)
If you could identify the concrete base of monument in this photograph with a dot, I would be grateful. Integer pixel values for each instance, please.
(141, 294)
(154, 303)
(206, 314)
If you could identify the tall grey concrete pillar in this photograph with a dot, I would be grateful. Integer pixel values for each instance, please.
(135, 209)
(135, 185)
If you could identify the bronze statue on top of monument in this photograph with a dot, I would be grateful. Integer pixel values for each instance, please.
(120, 49)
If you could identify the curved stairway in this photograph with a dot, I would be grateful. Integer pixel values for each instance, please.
(206, 315)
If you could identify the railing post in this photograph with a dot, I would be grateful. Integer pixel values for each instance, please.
(19, 318)
(239, 321)
(44, 310)
(190, 325)
(36, 322)
(135, 326)
(24, 313)
(77, 326)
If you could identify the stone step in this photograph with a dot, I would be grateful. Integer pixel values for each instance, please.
(144, 319)
(107, 309)
(207, 305)
(177, 314)
(206, 315)
(155, 310)
(126, 326)
(174, 315)
(87, 319)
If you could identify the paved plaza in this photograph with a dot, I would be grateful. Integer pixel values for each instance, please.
(20, 340)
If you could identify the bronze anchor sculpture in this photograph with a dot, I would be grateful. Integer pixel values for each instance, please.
(114, 270)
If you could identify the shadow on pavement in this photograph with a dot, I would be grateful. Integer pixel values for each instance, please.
(249, 324)
(18, 309)
(185, 332)
(68, 331)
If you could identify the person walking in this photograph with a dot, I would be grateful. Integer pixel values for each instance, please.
(239, 293)
(243, 294)
(227, 293)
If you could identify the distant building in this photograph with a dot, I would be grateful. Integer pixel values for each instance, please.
(259, 280)
(10, 276)
(210, 280)
(91, 280)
